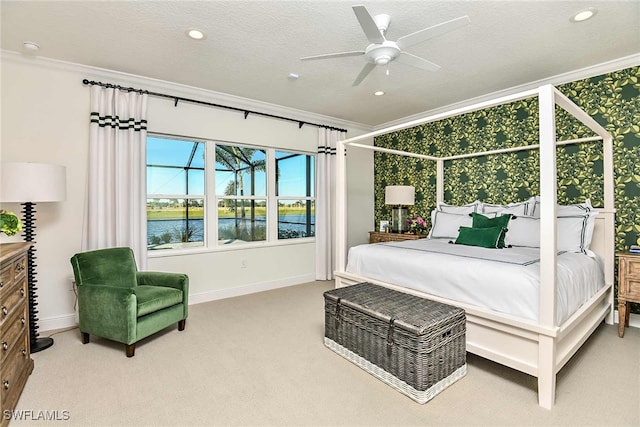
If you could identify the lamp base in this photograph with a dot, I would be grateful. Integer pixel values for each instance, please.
(399, 217)
(40, 344)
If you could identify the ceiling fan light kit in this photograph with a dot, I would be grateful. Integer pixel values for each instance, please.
(382, 51)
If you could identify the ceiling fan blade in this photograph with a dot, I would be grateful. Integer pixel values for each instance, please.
(334, 55)
(368, 24)
(416, 61)
(368, 67)
(431, 32)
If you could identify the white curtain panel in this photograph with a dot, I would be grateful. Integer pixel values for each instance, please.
(326, 202)
(115, 213)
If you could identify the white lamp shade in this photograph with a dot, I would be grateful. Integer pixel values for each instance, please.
(32, 182)
(400, 195)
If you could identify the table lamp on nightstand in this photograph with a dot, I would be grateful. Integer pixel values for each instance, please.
(400, 196)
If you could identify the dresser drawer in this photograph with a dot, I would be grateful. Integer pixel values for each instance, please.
(15, 370)
(11, 330)
(6, 278)
(630, 289)
(20, 267)
(12, 299)
(632, 267)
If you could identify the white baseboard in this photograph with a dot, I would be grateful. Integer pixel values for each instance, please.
(57, 322)
(69, 320)
(248, 289)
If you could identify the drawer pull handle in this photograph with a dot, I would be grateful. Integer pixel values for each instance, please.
(5, 345)
(21, 292)
(4, 310)
(1, 284)
(5, 384)
(23, 320)
(20, 267)
(24, 352)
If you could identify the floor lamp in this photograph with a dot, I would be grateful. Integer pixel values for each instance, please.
(28, 184)
(399, 196)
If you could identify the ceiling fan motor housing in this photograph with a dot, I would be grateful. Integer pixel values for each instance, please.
(382, 54)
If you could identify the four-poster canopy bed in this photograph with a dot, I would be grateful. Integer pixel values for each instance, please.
(539, 347)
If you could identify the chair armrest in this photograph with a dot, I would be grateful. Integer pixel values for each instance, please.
(170, 280)
(108, 311)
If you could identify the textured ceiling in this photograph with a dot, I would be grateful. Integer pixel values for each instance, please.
(251, 47)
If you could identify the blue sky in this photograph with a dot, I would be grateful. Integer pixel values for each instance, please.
(162, 151)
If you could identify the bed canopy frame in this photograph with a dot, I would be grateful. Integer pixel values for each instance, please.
(539, 348)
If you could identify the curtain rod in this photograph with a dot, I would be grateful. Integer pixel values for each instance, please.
(209, 104)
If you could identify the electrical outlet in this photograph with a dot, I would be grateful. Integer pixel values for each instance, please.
(243, 263)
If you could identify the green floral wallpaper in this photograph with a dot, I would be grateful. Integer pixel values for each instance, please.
(612, 99)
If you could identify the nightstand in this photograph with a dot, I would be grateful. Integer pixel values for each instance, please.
(628, 287)
(379, 236)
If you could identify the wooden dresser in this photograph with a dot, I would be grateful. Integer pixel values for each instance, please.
(379, 236)
(628, 287)
(15, 359)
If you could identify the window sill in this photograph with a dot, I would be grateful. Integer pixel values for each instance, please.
(187, 249)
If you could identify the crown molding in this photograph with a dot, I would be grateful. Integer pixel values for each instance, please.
(179, 90)
(571, 76)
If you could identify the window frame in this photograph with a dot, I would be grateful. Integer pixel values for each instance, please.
(170, 196)
(211, 199)
(307, 199)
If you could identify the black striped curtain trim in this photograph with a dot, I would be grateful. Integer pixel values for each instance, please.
(327, 150)
(117, 122)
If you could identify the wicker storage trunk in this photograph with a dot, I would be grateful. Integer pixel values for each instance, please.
(415, 345)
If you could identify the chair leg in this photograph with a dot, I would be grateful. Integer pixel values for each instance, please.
(131, 349)
(85, 337)
(182, 324)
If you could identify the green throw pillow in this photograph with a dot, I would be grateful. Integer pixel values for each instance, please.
(484, 237)
(481, 221)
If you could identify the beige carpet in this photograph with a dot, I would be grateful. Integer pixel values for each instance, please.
(260, 360)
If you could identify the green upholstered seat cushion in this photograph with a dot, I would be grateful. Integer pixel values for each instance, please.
(154, 298)
(481, 221)
(484, 237)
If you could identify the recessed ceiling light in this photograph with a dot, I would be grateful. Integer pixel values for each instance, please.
(293, 76)
(378, 93)
(584, 14)
(32, 46)
(195, 34)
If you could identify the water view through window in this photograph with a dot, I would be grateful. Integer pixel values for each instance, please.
(177, 202)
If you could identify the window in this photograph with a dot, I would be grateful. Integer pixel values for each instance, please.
(175, 193)
(295, 195)
(241, 191)
(252, 194)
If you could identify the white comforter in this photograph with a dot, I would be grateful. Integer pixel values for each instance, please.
(508, 283)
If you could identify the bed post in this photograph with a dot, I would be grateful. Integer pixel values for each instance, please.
(341, 207)
(610, 222)
(439, 180)
(548, 247)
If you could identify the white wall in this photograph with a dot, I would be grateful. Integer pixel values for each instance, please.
(45, 118)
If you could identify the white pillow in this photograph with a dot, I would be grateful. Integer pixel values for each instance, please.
(523, 231)
(574, 232)
(520, 208)
(562, 210)
(465, 209)
(446, 225)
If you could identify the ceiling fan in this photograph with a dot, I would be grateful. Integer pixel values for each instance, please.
(382, 51)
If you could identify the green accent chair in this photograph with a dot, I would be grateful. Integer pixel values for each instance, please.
(120, 303)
